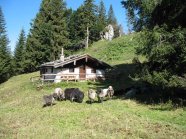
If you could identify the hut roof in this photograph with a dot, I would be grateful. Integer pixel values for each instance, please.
(71, 59)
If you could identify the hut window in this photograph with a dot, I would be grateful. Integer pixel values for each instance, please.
(46, 70)
(71, 70)
(52, 70)
(43, 71)
(93, 70)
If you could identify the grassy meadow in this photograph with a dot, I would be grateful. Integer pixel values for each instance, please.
(22, 115)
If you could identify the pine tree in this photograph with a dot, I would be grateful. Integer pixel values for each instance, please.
(77, 28)
(113, 21)
(102, 14)
(111, 16)
(19, 53)
(162, 40)
(101, 23)
(5, 54)
(48, 34)
(81, 22)
(89, 17)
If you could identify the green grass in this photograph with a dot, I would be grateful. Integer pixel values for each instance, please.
(118, 51)
(22, 115)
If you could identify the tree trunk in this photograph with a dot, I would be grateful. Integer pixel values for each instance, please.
(87, 39)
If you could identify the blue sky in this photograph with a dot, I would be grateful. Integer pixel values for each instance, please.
(19, 14)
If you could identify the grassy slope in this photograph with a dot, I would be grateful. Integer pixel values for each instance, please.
(22, 115)
(119, 53)
(120, 50)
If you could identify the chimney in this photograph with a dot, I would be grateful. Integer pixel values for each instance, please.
(62, 57)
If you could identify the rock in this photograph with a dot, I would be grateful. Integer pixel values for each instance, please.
(109, 34)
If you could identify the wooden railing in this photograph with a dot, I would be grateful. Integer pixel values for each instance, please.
(71, 77)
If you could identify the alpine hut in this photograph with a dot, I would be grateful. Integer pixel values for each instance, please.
(75, 67)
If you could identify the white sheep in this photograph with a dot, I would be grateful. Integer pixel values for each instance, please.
(110, 92)
(105, 92)
(92, 95)
(58, 94)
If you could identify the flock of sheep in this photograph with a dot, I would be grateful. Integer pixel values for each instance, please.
(75, 94)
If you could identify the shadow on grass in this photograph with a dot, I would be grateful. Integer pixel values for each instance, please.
(120, 78)
(48, 105)
(88, 102)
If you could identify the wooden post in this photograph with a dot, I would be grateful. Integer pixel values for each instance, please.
(62, 51)
(74, 62)
(86, 45)
(42, 80)
(62, 57)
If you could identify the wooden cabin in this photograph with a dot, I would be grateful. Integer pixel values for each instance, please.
(75, 67)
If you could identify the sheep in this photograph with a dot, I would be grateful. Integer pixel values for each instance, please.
(58, 94)
(92, 95)
(101, 94)
(105, 92)
(58, 91)
(74, 94)
(110, 91)
(48, 100)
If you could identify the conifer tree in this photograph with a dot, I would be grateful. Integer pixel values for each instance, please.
(48, 34)
(162, 41)
(111, 16)
(81, 22)
(101, 23)
(113, 21)
(102, 14)
(89, 17)
(77, 27)
(19, 53)
(5, 54)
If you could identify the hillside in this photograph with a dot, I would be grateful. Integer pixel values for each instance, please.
(118, 51)
(22, 115)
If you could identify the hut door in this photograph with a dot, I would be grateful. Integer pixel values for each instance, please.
(82, 72)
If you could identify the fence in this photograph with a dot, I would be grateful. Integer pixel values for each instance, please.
(69, 77)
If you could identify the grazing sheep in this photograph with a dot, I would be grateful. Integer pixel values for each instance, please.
(92, 95)
(48, 100)
(74, 94)
(58, 91)
(101, 94)
(104, 93)
(110, 92)
(58, 94)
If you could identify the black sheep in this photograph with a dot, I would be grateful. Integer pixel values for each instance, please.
(74, 94)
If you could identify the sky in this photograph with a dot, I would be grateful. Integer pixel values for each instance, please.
(20, 13)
